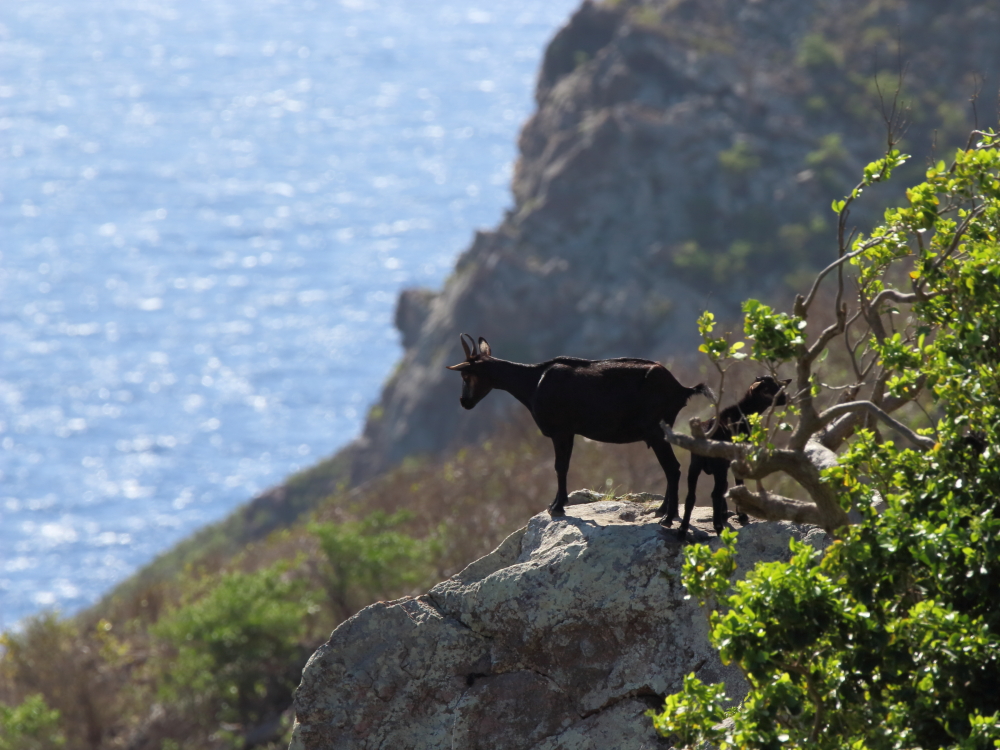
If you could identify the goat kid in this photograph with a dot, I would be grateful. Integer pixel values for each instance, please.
(608, 400)
(764, 393)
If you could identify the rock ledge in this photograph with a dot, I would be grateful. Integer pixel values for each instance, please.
(561, 638)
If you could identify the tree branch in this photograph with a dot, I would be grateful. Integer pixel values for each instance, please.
(703, 446)
(804, 466)
(837, 431)
(827, 335)
(802, 305)
(899, 297)
(771, 507)
(830, 414)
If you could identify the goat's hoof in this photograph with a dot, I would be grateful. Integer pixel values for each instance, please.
(666, 522)
(557, 512)
(719, 529)
(743, 518)
(682, 534)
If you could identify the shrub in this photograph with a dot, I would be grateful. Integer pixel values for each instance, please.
(370, 559)
(236, 650)
(32, 725)
(891, 638)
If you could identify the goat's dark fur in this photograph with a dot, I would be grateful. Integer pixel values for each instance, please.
(608, 400)
(764, 393)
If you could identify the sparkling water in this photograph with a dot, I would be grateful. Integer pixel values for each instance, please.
(207, 209)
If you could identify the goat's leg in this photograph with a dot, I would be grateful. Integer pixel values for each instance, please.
(564, 450)
(672, 468)
(694, 471)
(720, 511)
(742, 517)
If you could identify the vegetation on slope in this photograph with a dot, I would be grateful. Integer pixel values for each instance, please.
(890, 638)
(209, 658)
(248, 600)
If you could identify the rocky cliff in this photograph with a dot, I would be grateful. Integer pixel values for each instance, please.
(559, 639)
(683, 155)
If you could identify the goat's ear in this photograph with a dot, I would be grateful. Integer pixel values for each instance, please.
(468, 352)
(785, 383)
(459, 366)
(484, 347)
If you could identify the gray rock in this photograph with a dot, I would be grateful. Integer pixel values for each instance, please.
(561, 638)
(412, 310)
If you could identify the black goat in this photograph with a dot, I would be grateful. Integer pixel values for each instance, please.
(608, 400)
(761, 396)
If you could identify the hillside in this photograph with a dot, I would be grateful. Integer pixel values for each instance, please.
(683, 155)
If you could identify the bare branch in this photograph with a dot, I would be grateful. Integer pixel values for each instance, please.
(698, 443)
(805, 467)
(848, 387)
(899, 297)
(717, 406)
(836, 432)
(827, 335)
(771, 507)
(895, 119)
(808, 416)
(804, 305)
(921, 442)
(990, 139)
(873, 318)
(979, 81)
(852, 349)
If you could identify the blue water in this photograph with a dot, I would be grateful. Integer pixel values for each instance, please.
(206, 212)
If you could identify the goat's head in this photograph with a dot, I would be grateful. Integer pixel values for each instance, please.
(475, 383)
(768, 391)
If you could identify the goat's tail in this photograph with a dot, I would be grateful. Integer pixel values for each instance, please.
(704, 390)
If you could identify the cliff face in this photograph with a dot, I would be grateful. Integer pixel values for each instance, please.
(561, 638)
(683, 155)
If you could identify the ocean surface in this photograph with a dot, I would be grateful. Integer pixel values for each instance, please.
(207, 209)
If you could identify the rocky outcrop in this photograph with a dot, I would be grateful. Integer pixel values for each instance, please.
(683, 155)
(560, 638)
(412, 309)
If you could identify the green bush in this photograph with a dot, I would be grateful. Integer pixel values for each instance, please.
(238, 648)
(371, 559)
(891, 637)
(32, 725)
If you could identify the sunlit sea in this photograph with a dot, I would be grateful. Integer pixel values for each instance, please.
(207, 208)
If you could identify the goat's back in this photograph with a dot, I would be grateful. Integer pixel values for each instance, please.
(610, 400)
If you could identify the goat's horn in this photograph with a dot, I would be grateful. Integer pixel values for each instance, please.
(468, 352)
(459, 366)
